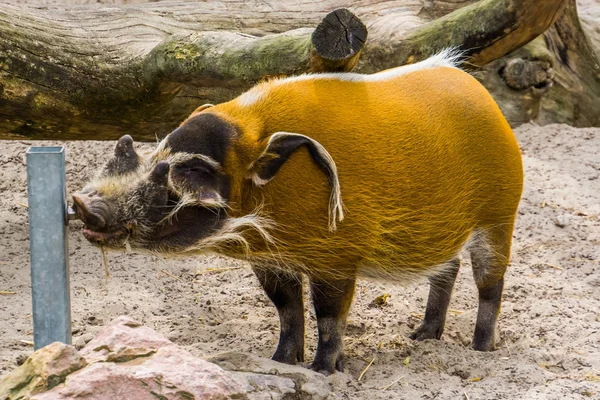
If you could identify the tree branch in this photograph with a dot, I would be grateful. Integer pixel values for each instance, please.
(485, 31)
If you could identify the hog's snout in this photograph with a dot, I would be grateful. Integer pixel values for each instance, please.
(94, 212)
(91, 211)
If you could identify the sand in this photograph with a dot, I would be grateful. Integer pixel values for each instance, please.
(549, 328)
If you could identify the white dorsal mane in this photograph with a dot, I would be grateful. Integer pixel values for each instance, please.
(446, 58)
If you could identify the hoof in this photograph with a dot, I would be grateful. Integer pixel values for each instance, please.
(327, 368)
(289, 357)
(426, 331)
(483, 346)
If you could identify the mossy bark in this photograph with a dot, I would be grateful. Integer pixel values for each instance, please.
(484, 31)
(48, 92)
(66, 82)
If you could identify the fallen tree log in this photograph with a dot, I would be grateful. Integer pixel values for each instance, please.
(99, 72)
(70, 87)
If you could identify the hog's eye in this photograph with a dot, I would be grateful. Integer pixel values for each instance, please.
(194, 174)
(196, 171)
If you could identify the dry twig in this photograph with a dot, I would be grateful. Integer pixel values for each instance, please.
(365, 370)
(171, 275)
(215, 270)
(553, 266)
(392, 384)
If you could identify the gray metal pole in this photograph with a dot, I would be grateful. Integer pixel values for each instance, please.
(46, 192)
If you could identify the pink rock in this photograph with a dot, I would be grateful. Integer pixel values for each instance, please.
(170, 374)
(43, 370)
(127, 361)
(123, 339)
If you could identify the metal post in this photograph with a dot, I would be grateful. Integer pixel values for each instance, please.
(46, 191)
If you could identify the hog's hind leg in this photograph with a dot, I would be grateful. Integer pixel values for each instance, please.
(332, 299)
(490, 254)
(285, 291)
(440, 291)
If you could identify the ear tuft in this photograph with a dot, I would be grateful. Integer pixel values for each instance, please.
(198, 110)
(203, 107)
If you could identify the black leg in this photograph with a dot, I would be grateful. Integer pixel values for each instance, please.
(440, 292)
(489, 256)
(490, 299)
(332, 299)
(285, 291)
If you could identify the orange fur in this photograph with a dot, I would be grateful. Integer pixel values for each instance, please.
(424, 159)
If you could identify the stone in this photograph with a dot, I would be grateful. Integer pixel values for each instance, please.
(123, 339)
(87, 337)
(129, 361)
(561, 220)
(263, 377)
(21, 358)
(43, 370)
(169, 374)
(79, 343)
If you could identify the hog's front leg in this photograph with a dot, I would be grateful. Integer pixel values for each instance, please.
(285, 291)
(332, 299)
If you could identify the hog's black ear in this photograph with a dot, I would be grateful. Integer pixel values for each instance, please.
(125, 159)
(280, 147)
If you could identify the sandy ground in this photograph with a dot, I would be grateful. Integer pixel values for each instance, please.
(549, 326)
